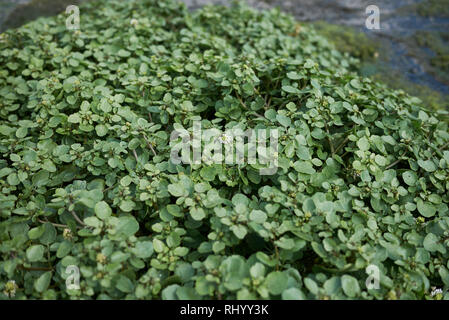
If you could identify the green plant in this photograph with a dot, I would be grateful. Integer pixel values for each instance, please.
(348, 39)
(374, 54)
(429, 8)
(437, 42)
(431, 98)
(86, 178)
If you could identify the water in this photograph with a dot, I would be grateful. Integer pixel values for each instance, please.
(395, 27)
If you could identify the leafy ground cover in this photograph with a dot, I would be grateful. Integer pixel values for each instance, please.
(430, 8)
(437, 42)
(86, 178)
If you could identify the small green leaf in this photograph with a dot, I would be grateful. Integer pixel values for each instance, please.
(410, 178)
(127, 205)
(350, 286)
(127, 226)
(158, 245)
(426, 209)
(427, 165)
(35, 253)
(276, 282)
(431, 242)
(258, 216)
(74, 118)
(143, 249)
(102, 210)
(293, 294)
(363, 144)
(41, 284)
(283, 120)
(290, 89)
(176, 190)
(124, 284)
(239, 231)
(101, 130)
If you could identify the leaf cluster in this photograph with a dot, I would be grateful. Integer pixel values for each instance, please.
(86, 177)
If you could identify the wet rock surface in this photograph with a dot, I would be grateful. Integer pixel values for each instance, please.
(397, 26)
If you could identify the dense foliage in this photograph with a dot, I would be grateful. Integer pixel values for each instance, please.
(86, 180)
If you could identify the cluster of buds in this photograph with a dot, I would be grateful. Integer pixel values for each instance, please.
(10, 289)
(225, 139)
(436, 292)
(67, 234)
(101, 258)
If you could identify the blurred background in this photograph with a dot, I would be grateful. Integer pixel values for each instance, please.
(409, 52)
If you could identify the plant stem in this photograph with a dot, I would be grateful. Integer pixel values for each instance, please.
(441, 148)
(329, 139)
(396, 162)
(341, 145)
(35, 268)
(444, 146)
(135, 155)
(54, 224)
(108, 188)
(241, 101)
(149, 145)
(276, 250)
(77, 218)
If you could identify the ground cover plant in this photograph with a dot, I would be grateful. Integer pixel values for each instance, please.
(430, 8)
(437, 42)
(86, 179)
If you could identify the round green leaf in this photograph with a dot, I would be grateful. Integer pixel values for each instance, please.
(276, 282)
(35, 253)
(350, 286)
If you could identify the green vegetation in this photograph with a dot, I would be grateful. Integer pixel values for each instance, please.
(86, 178)
(435, 63)
(431, 98)
(438, 43)
(346, 39)
(430, 8)
(373, 55)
